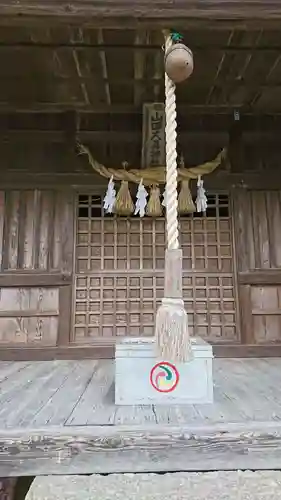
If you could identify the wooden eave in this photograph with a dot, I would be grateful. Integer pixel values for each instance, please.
(60, 81)
(106, 12)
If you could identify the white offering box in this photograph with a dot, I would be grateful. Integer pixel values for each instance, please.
(143, 379)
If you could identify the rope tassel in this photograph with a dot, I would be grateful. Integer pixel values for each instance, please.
(124, 203)
(154, 208)
(171, 329)
(186, 205)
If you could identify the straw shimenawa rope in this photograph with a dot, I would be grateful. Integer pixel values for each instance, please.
(150, 176)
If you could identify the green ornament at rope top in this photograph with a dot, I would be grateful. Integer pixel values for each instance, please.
(176, 37)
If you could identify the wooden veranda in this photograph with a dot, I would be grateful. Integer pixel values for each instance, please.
(59, 417)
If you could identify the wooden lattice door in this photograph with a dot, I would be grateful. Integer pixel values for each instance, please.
(120, 273)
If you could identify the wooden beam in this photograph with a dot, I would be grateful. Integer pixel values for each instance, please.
(102, 56)
(156, 79)
(128, 13)
(105, 449)
(247, 351)
(80, 107)
(79, 76)
(256, 91)
(182, 108)
(76, 60)
(139, 67)
(219, 69)
(201, 49)
(68, 352)
(34, 278)
(243, 69)
(158, 75)
(100, 351)
(258, 277)
(219, 138)
(106, 136)
(87, 179)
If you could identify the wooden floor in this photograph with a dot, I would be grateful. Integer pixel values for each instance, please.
(59, 417)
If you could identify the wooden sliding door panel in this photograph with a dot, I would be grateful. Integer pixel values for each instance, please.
(119, 279)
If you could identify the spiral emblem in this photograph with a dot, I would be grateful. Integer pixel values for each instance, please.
(164, 377)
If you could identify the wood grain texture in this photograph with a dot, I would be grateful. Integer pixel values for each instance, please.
(257, 218)
(162, 9)
(68, 394)
(100, 351)
(266, 311)
(108, 449)
(65, 307)
(82, 393)
(60, 418)
(273, 209)
(34, 279)
(247, 333)
(47, 353)
(29, 315)
(90, 409)
(270, 277)
(42, 390)
(97, 184)
(16, 412)
(38, 230)
(37, 240)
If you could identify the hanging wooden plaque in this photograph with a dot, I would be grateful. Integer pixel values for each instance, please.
(153, 135)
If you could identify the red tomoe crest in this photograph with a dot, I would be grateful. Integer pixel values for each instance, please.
(164, 377)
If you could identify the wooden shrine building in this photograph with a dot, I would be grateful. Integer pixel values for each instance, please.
(74, 280)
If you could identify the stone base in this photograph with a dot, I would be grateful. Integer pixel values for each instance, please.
(141, 378)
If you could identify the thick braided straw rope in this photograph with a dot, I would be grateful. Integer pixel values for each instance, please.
(171, 160)
(171, 329)
(153, 175)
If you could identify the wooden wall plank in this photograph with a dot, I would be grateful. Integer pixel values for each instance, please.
(240, 206)
(37, 241)
(65, 307)
(273, 207)
(57, 234)
(2, 214)
(29, 315)
(11, 230)
(261, 236)
(266, 313)
(67, 238)
(246, 314)
(44, 229)
(257, 220)
(31, 201)
(38, 230)
(64, 232)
